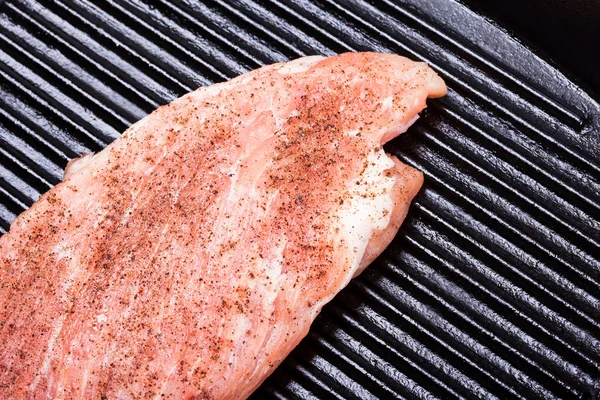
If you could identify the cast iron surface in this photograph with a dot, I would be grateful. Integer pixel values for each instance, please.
(492, 287)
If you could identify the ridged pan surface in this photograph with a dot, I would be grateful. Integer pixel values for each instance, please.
(492, 287)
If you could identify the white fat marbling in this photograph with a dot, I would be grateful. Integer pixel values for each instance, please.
(369, 206)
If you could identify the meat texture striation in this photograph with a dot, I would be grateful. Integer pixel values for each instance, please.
(189, 257)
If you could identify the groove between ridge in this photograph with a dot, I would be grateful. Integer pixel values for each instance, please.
(500, 248)
(92, 29)
(401, 289)
(26, 77)
(228, 30)
(484, 156)
(66, 84)
(355, 376)
(455, 343)
(360, 335)
(82, 57)
(485, 316)
(232, 58)
(43, 172)
(55, 142)
(526, 302)
(85, 38)
(482, 281)
(510, 215)
(457, 129)
(194, 78)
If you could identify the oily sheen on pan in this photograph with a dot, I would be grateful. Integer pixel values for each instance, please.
(189, 257)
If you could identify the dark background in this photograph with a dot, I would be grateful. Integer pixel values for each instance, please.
(568, 31)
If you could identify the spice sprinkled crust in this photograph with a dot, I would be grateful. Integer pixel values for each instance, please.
(189, 257)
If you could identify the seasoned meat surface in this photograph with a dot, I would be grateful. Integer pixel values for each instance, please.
(189, 257)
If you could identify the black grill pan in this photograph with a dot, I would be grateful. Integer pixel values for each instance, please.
(492, 287)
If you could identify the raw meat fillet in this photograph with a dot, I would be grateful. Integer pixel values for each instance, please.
(188, 258)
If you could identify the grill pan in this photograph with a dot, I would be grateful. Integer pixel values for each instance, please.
(492, 287)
